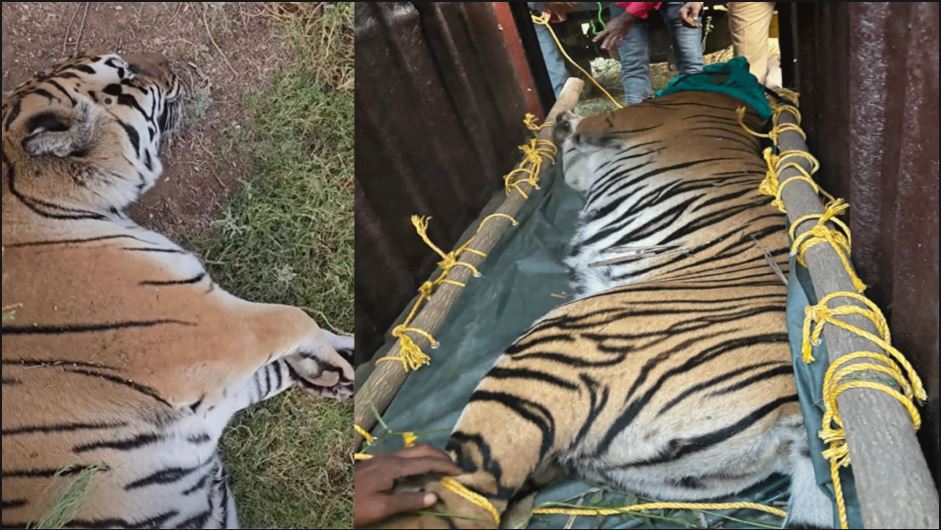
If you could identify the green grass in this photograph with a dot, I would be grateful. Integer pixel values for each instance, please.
(68, 500)
(286, 236)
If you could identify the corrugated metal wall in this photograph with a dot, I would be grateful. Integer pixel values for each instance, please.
(438, 116)
(868, 77)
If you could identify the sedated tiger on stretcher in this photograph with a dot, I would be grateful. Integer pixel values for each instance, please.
(670, 373)
(121, 356)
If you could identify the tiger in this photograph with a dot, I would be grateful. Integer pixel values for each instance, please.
(122, 360)
(669, 372)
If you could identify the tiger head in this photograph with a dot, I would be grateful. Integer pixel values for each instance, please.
(87, 132)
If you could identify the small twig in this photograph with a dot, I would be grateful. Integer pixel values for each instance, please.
(219, 180)
(213, 41)
(68, 30)
(176, 12)
(774, 265)
(81, 29)
(12, 306)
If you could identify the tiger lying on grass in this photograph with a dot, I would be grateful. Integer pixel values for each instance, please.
(670, 374)
(120, 354)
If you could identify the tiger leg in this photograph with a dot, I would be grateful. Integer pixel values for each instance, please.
(504, 442)
(261, 350)
(808, 507)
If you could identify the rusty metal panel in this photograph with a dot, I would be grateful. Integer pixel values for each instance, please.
(438, 115)
(868, 77)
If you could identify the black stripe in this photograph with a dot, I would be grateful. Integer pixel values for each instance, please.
(200, 484)
(595, 407)
(145, 249)
(156, 521)
(200, 438)
(277, 372)
(194, 279)
(267, 380)
(132, 136)
(61, 427)
(712, 382)
(120, 445)
(521, 345)
(636, 406)
(524, 408)
(47, 473)
(87, 328)
(196, 521)
(13, 113)
(34, 204)
(164, 476)
(256, 378)
(525, 373)
(785, 369)
(693, 445)
(13, 503)
(571, 360)
(143, 389)
(55, 363)
(83, 68)
(65, 92)
(73, 241)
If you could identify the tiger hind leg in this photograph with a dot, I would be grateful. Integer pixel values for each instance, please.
(809, 507)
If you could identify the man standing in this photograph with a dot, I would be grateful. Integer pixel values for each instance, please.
(748, 24)
(627, 30)
(555, 64)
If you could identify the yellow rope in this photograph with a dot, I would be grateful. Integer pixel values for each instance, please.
(840, 241)
(472, 497)
(411, 354)
(544, 21)
(891, 363)
(529, 120)
(370, 439)
(530, 166)
(661, 506)
(449, 260)
(508, 217)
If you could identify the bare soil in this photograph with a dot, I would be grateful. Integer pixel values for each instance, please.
(231, 49)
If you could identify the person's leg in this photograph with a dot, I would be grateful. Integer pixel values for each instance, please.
(555, 64)
(748, 24)
(635, 61)
(687, 42)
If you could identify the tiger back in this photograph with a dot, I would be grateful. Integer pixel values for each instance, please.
(670, 373)
(121, 357)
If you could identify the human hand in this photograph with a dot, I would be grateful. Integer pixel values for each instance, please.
(614, 31)
(689, 14)
(562, 8)
(375, 478)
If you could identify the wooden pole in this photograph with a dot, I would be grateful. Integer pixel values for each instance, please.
(375, 394)
(893, 483)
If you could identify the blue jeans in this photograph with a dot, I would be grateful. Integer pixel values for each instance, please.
(635, 51)
(555, 64)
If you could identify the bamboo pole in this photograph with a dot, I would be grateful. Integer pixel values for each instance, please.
(894, 486)
(375, 394)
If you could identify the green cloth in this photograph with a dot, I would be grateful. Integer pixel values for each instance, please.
(731, 78)
(800, 294)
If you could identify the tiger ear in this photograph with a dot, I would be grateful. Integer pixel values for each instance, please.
(61, 132)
